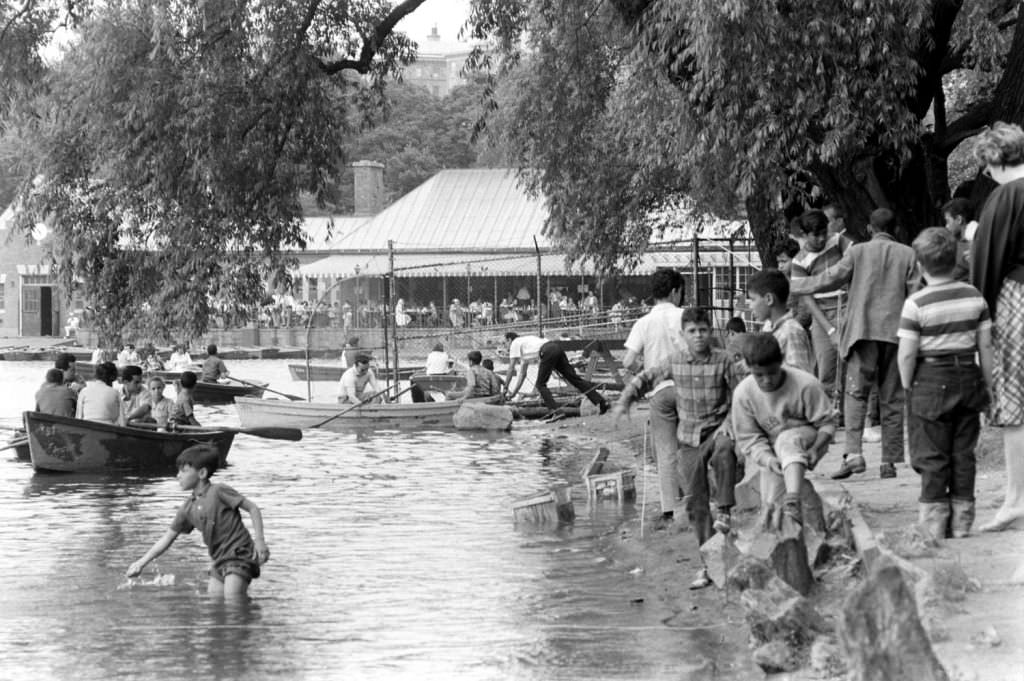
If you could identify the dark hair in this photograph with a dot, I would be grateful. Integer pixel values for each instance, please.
(362, 359)
(736, 325)
(474, 356)
(882, 220)
(511, 335)
(769, 281)
(64, 361)
(961, 208)
(695, 315)
(106, 372)
(211, 349)
(936, 249)
(188, 379)
(488, 364)
(814, 222)
(788, 247)
(438, 347)
(200, 456)
(129, 371)
(663, 282)
(761, 349)
(54, 376)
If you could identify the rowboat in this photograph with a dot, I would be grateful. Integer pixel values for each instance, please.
(387, 416)
(333, 372)
(58, 443)
(87, 370)
(19, 443)
(224, 393)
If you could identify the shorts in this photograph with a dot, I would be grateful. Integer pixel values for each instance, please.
(245, 569)
(791, 445)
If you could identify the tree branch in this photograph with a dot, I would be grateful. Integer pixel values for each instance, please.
(14, 17)
(372, 43)
(969, 124)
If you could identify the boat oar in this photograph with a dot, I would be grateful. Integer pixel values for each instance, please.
(293, 398)
(354, 406)
(15, 443)
(269, 432)
(399, 394)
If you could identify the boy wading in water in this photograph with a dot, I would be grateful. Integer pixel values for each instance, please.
(701, 378)
(213, 508)
(941, 328)
(782, 421)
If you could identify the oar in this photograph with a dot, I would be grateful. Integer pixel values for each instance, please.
(15, 443)
(354, 406)
(399, 394)
(293, 398)
(269, 432)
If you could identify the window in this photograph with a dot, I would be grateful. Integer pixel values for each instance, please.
(31, 294)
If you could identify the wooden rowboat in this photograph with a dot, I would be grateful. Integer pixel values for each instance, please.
(225, 393)
(58, 443)
(255, 412)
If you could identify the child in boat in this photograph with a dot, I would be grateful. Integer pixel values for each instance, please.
(214, 368)
(156, 409)
(181, 414)
(213, 508)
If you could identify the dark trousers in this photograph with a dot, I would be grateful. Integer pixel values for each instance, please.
(718, 452)
(873, 364)
(945, 401)
(552, 358)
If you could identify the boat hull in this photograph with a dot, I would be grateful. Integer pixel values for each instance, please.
(58, 443)
(255, 413)
(224, 393)
(331, 372)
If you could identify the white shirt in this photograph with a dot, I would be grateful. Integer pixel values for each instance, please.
(437, 362)
(97, 356)
(99, 402)
(353, 388)
(179, 361)
(526, 347)
(657, 336)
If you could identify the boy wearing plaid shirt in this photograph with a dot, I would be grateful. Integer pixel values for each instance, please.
(702, 377)
(767, 296)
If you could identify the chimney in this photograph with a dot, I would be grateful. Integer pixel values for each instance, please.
(434, 35)
(369, 187)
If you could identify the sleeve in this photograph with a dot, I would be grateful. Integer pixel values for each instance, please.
(832, 278)
(181, 524)
(910, 321)
(228, 496)
(635, 340)
(515, 349)
(648, 378)
(751, 440)
(992, 248)
(817, 407)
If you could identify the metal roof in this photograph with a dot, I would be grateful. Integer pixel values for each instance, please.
(465, 209)
(329, 233)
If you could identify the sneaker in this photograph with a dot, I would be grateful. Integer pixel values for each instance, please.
(872, 434)
(702, 581)
(887, 470)
(723, 522)
(851, 465)
(791, 508)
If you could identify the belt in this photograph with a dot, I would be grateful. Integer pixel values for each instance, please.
(961, 360)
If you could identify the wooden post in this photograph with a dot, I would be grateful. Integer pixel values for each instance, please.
(540, 317)
(392, 302)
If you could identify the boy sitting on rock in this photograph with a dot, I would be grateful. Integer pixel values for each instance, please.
(782, 421)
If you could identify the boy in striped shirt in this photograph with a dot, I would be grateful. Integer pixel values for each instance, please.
(942, 327)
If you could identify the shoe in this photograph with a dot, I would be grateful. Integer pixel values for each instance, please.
(933, 517)
(998, 524)
(887, 470)
(872, 434)
(792, 508)
(962, 519)
(702, 581)
(851, 465)
(723, 522)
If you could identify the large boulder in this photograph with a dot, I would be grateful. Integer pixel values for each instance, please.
(477, 416)
(881, 634)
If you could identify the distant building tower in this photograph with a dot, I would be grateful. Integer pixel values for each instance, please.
(368, 187)
(438, 65)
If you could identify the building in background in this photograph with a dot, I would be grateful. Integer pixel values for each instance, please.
(438, 65)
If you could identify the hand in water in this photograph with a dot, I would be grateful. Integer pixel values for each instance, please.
(135, 569)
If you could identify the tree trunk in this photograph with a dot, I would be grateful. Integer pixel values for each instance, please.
(765, 227)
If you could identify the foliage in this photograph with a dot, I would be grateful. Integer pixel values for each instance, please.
(612, 108)
(169, 146)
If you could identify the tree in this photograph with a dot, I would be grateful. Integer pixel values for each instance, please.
(737, 103)
(168, 147)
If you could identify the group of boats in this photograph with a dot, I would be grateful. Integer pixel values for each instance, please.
(60, 444)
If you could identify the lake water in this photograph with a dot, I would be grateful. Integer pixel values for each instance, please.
(393, 555)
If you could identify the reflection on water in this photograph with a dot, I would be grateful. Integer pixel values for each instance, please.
(394, 555)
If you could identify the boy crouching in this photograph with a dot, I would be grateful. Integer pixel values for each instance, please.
(782, 421)
(941, 328)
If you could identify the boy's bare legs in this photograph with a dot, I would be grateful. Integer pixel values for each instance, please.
(232, 587)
